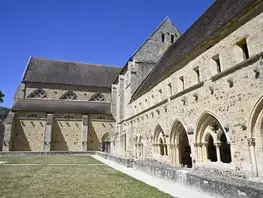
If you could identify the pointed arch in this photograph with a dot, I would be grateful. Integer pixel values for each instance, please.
(69, 95)
(106, 143)
(38, 94)
(98, 97)
(159, 141)
(181, 154)
(211, 139)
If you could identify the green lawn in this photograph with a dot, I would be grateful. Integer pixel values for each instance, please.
(50, 160)
(93, 181)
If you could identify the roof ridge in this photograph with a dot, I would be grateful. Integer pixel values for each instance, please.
(94, 64)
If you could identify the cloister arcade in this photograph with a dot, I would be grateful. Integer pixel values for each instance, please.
(106, 143)
(138, 147)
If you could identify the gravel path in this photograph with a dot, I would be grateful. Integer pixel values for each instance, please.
(164, 185)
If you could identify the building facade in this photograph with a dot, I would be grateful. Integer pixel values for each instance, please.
(190, 100)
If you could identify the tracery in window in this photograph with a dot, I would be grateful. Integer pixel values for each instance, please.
(38, 94)
(101, 117)
(68, 116)
(31, 115)
(98, 98)
(70, 95)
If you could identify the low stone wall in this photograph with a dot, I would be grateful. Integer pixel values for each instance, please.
(52, 153)
(120, 160)
(216, 185)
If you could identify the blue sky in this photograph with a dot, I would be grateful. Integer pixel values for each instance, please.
(105, 31)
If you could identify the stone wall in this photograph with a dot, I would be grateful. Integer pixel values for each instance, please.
(227, 98)
(55, 91)
(120, 160)
(211, 183)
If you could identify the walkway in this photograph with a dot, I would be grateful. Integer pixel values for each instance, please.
(164, 185)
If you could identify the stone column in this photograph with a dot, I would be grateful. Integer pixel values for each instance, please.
(252, 144)
(177, 155)
(9, 123)
(218, 144)
(85, 131)
(48, 131)
(200, 155)
(196, 151)
(204, 151)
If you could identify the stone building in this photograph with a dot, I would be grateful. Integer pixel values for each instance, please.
(192, 100)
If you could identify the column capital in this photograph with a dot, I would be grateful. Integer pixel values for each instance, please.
(204, 144)
(85, 119)
(217, 144)
(251, 142)
(49, 120)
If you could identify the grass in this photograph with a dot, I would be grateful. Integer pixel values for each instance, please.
(69, 181)
(50, 160)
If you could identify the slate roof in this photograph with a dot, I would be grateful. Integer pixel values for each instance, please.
(62, 106)
(73, 73)
(217, 16)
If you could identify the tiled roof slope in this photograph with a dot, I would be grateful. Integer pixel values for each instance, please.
(218, 15)
(73, 73)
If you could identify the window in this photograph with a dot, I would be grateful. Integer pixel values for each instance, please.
(181, 83)
(172, 38)
(243, 49)
(70, 95)
(160, 94)
(101, 117)
(170, 91)
(31, 115)
(38, 94)
(197, 74)
(163, 37)
(98, 98)
(218, 63)
(68, 116)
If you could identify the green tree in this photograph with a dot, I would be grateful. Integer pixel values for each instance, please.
(3, 113)
(1, 97)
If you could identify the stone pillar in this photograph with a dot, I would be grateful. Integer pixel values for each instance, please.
(177, 155)
(48, 131)
(252, 144)
(9, 123)
(196, 151)
(218, 144)
(85, 131)
(199, 151)
(204, 151)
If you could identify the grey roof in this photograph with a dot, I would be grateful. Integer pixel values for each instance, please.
(64, 72)
(62, 106)
(217, 16)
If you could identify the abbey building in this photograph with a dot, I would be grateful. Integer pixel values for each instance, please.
(190, 100)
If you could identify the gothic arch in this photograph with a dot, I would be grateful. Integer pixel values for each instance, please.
(255, 137)
(38, 94)
(106, 143)
(159, 141)
(180, 146)
(97, 97)
(69, 95)
(211, 139)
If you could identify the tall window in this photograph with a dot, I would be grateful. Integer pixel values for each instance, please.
(243, 49)
(38, 94)
(70, 95)
(181, 80)
(170, 91)
(197, 74)
(217, 63)
(172, 38)
(163, 37)
(98, 98)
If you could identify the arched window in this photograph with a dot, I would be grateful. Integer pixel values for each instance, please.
(98, 98)
(70, 95)
(31, 115)
(101, 117)
(38, 94)
(68, 116)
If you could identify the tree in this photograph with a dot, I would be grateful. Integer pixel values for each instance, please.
(3, 113)
(1, 97)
